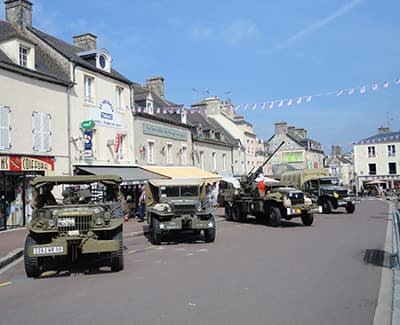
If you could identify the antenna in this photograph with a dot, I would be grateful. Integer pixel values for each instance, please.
(389, 119)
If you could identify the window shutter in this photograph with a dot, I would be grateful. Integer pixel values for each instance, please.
(36, 130)
(46, 132)
(5, 137)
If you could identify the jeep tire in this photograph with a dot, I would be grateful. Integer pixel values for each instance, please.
(155, 231)
(237, 213)
(275, 216)
(117, 258)
(350, 208)
(307, 218)
(327, 206)
(32, 265)
(209, 234)
(228, 212)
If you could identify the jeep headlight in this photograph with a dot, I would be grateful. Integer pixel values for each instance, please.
(335, 195)
(307, 201)
(167, 208)
(99, 221)
(51, 223)
(286, 202)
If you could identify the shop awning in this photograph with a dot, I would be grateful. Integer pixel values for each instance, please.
(130, 175)
(184, 172)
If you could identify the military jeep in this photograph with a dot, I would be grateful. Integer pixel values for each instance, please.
(175, 205)
(74, 216)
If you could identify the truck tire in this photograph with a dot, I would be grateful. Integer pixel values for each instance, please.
(32, 265)
(275, 217)
(209, 234)
(117, 258)
(155, 231)
(237, 213)
(350, 208)
(228, 212)
(327, 206)
(307, 218)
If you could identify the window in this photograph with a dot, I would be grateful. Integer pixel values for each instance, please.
(371, 151)
(392, 168)
(119, 98)
(41, 131)
(102, 62)
(5, 128)
(150, 152)
(202, 159)
(169, 153)
(372, 169)
(391, 150)
(89, 93)
(214, 161)
(183, 155)
(223, 162)
(149, 104)
(23, 56)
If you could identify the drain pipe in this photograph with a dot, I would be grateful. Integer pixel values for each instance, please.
(69, 90)
(132, 106)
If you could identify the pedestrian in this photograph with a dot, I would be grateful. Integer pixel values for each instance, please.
(142, 205)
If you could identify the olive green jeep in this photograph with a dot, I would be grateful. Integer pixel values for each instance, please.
(74, 216)
(175, 205)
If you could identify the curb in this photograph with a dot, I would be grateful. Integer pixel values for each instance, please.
(12, 256)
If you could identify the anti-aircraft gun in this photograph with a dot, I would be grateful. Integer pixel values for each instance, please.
(271, 205)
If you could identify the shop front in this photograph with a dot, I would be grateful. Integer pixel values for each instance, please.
(16, 172)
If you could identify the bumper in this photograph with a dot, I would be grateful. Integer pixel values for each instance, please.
(61, 248)
(189, 223)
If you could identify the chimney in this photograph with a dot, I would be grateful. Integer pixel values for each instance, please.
(290, 130)
(281, 128)
(19, 13)
(336, 151)
(383, 130)
(156, 85)
(302, 133)
(86, 42)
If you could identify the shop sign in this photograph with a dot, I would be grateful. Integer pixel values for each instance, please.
(88, 125)
(117, 142)
(104, 115)
(293, 157)
(88, 143)
(165, 132)
(23, 163)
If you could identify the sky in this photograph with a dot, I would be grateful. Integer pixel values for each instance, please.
(254, 52)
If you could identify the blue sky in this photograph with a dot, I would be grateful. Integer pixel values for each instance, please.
(254, 52)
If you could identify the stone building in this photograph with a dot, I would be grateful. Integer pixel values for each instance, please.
(377, 160)
(298, 152)
(341, 165)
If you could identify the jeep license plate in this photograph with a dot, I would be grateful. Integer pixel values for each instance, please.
(48, 250)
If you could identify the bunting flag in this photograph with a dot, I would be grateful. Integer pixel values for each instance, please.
(280, 103)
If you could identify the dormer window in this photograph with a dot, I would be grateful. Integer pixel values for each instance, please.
(103, 60)
(23, 56)
(149, 104)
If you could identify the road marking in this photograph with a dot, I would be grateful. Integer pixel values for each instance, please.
(202, 250)
(140, 250)
(5, 284)
(190, 254)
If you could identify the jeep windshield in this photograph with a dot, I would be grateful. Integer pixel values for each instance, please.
(177, 191)
(329, 181)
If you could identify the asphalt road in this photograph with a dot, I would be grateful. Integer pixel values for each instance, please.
(252, 274)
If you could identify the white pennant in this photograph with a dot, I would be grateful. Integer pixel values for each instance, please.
(254, 107)
(246, 106)
(271, 105)
(263, 105)
(280, 103)
(237, 107)
(299, 100)
(374, 87)
(363, 90)
(351, 91)
(339, 92)
(289, 103)
(398, 82)
(309, 99)
(386, 84)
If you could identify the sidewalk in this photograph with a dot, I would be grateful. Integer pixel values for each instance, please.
(12, 241)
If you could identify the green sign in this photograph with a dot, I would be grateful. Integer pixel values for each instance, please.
(164, 132)
(293, 157)
(87, 125)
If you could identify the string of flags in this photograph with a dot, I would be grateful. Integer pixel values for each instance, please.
(270, 104)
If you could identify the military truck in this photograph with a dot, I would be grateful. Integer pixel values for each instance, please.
(176, 205)
(277, 202)
(322, 188)
(74, 216)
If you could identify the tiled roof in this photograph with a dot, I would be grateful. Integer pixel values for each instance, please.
(7, 31)
(381, 138)
(70, 52)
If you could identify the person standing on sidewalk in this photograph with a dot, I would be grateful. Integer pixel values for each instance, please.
(142, 205)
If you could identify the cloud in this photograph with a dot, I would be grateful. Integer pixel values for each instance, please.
(237, 32)
(318, 25)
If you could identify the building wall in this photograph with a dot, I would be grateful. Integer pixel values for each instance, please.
(381, 159)
(26, 95)
(208, 149)
(112, 124)
(162, 135)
